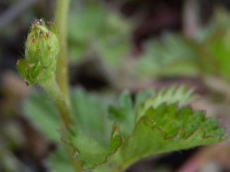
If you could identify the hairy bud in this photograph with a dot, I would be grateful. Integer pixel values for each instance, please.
(41, 49)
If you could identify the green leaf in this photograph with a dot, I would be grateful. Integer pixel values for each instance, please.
(90, 113)
(43, 114)
(113, 137)
(59, 161)
(94, 137)
(98, 30)
(172, 52)
(91, 152)
(143, 96)
(181, 95)
(124, 113)
(166, 128)
(213, 45)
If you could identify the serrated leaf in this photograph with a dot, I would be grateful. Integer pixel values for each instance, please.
(95, 138)
(181, 95)
(90, 112)
(167, 128)
(91, 152)
(143, 96)
(164, 125)
(124, 113)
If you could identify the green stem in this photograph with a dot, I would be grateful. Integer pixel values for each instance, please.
(62, 96)
(61, 18)
(52, 88)
(54, 91)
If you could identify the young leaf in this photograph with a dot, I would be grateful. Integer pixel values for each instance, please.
(181, 95)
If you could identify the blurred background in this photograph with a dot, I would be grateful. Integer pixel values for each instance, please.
(116, 45)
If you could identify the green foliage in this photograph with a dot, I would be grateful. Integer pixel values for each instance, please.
(94, 137)
(44, 114)
(90, 111)
(98, 30)
(11, 139)
(41, 50)
(172, 53)
(180, 95)
(124, 113)
(115, 136)
(91, 134)
(213, 46)
(167, 128)
(108, 136)
(207, 53)
(90, 151)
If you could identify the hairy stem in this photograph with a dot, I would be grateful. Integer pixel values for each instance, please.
(61, 17)
(62, 99)
(52, 88)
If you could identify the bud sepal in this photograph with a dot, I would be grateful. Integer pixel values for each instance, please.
(41, 50)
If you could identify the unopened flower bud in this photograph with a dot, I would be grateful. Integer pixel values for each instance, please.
(41, 51)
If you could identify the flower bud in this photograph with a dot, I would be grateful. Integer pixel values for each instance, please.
(41, 50)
